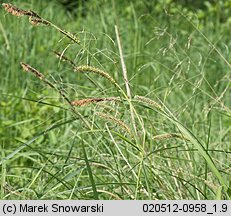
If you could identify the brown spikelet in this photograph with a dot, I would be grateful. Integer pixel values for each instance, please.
(87, 101)
(168, 136)
(18, 11)
(38, 21)
(89, 69)
(35, 19)
(28, 68)
(31, 13)
(13, 10)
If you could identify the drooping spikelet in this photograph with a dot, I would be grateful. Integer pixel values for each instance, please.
(148, 101)
(19, 12)
(14, 10)
(168, 136)
(89, 69)
(68, 34)
(35, 19)
(84, 102)
(31, 13)
(112, 119)
(38, 21)
(28, 68)
(64, 58)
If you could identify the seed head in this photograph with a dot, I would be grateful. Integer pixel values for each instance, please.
(64, 58)
(148, 101)
(84, 102)
(28, 68)
(168, 136)
(112, 119)
(37, 21)
(89, 69)
(13, 10)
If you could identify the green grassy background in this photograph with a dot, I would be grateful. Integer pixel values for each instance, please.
(175, 55)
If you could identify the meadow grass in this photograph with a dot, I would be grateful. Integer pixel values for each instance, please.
(136, 106)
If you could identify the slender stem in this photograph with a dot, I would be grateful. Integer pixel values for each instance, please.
(124, 70)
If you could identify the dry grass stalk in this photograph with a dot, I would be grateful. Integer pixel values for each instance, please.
(89, 69)
(125, 77)
(114, 120)
(28, 68)
(87, 101)
(169, 136)
(148, 101)
(124, 69)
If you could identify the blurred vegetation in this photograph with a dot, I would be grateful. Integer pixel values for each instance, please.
(169, 50)
(203, 9)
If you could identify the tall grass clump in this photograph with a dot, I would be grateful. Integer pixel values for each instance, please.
(117, 138)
